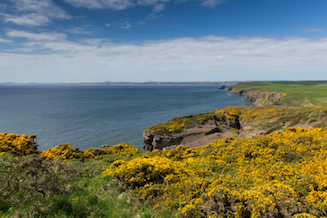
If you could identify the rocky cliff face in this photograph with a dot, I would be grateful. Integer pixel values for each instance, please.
(263, 98)
(257, 96)
(212, 129)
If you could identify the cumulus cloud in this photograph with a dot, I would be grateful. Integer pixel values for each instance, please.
(34, 12)
(181, 59)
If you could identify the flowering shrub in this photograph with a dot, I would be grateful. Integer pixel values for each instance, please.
(121, 149)
(179, 124)
(18, 145)
(62, 151)
(280, 175)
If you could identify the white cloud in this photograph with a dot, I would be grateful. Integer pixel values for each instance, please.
(108, 24)
(313, 30)
(159, 7)
(27, 19)
(36, 36)
(97, 41)
(102, 4)
(79, 30)
(209, 58)
(211, 3)
(126, 26)
(34, 12)
(118, 4)
(5, 41)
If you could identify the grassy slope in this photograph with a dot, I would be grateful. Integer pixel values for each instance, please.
(297, 91)
(90, 194)
(98, 196)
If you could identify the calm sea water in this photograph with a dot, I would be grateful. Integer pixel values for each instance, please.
(92, 115)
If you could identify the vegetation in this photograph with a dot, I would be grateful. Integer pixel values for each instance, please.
(280, 174)
(179, 124)
(297, 93)
(63, 181)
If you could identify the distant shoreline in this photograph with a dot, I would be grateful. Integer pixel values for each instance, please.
(130, 83)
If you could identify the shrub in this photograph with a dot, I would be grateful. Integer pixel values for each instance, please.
(18, 145)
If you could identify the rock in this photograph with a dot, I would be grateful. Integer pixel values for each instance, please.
(226, 88)
(222, 87)
(245, 128)
(258, 97)
(152, 141)
(195, 136)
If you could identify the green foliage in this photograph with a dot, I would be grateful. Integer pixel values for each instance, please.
(180, 124)
(298, 93)
(18, 145)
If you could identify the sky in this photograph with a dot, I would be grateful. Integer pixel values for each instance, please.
(72, 41)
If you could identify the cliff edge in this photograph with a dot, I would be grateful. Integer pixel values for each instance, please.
(259, 97)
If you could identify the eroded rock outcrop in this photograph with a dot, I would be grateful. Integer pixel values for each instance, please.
(197, 135)
(257, 96)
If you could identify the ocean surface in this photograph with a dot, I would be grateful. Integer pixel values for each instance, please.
(93, 115)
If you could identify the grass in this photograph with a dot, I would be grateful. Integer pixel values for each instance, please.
(87, 193)
(179, 124)
(298, 92)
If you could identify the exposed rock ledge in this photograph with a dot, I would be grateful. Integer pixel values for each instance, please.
(244, 122)
(257, 96)
(202, 134)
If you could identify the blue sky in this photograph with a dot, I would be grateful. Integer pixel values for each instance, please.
(162, 40)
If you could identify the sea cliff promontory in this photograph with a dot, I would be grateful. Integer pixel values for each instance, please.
(259, 97)
(275, 106)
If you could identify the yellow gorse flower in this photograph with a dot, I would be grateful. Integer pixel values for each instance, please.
(283, 174)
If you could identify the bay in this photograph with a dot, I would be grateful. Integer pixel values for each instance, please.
(93, 115)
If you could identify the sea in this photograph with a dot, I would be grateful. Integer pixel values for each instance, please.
(93, 115)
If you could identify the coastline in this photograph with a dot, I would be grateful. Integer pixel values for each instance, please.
(267, 114)
(280, 172)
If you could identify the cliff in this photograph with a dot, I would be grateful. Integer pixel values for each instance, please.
(259, 97)
(192, 131)
(264, 117)
(235, 122)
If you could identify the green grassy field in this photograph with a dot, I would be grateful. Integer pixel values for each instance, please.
(297, 91)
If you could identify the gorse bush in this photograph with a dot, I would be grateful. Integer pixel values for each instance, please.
(121, 149)
(280, 175)
(62, 151)
(18, 145)
(67, 151)
(179, 124)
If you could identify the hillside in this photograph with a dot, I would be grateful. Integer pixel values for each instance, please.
(290, 93)
(258, 161)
